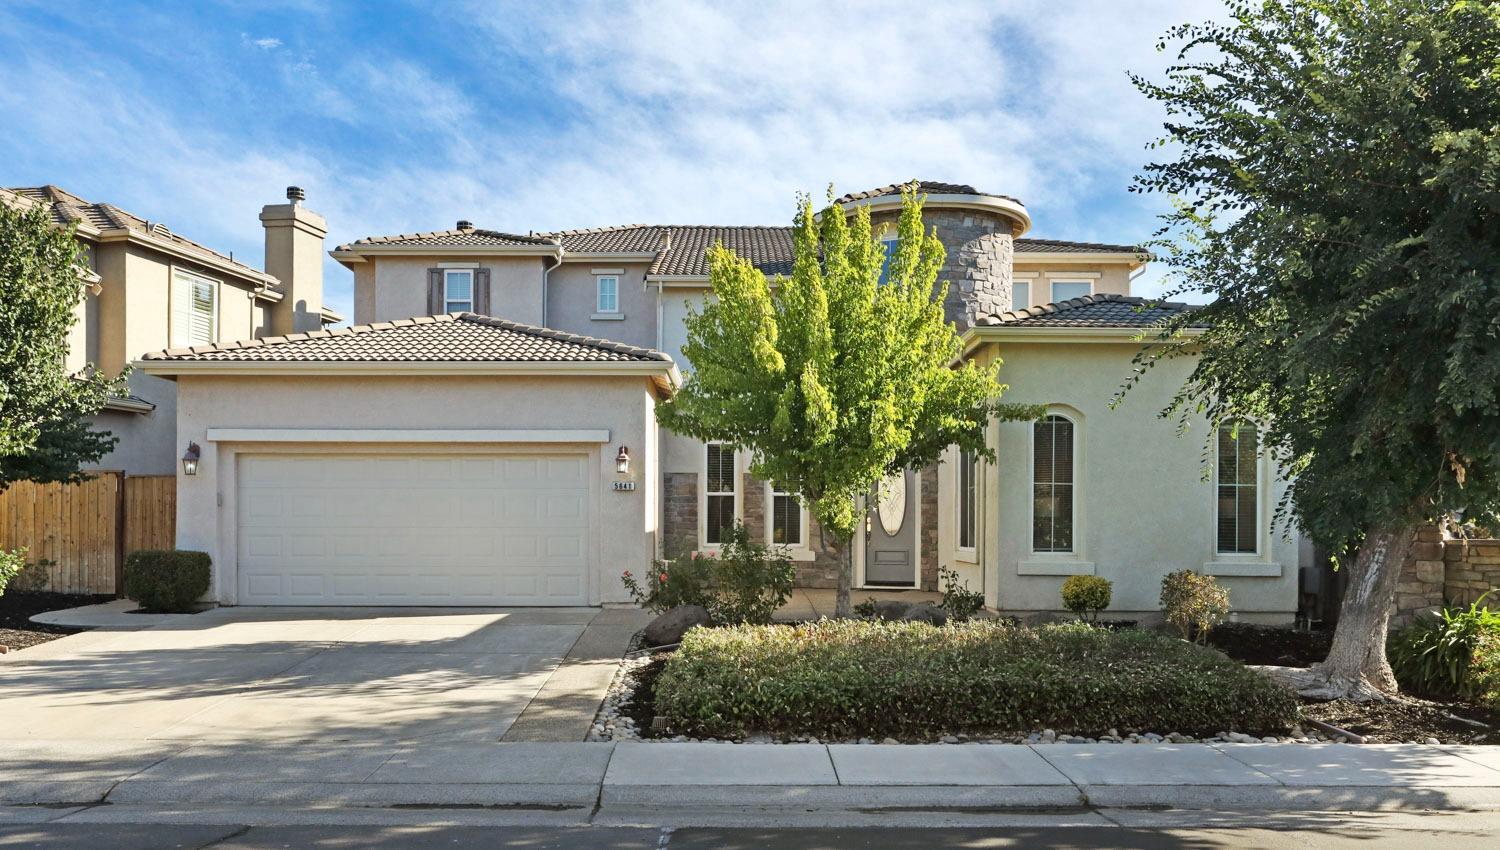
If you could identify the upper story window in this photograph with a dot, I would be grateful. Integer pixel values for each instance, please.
(1062, 290)
(194, 316)
(889, 247)
(786, 518)
(966, 493)
(1020, 295)
(1052, 485)
(718, 490)
(458, 290)
(1238, 526)
(608, 294)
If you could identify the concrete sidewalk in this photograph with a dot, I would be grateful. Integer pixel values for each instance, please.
(578, 776)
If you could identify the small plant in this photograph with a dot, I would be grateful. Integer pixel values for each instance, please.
(1484, 670)
(866, 609)
(169, 581)
(959, 601)
(1434, 655)
(11, 565)
(1193, 603)
(1086, 596)
(745, 582)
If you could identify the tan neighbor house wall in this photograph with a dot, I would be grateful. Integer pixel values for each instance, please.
(572, 296)
(625, 533)
(1106, 277)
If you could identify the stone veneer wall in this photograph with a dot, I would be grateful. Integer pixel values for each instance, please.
(680, 513)
(1443, 570)
(928, 533)
(977, 271)
(823, 569)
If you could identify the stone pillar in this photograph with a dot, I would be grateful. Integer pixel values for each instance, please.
(976, 276)
(1472, 570)
(753, 508)
(928, 533)
(1420, 590)
(828, 558)
(680, 513)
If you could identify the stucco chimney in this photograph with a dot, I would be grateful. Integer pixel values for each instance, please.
(294, 254)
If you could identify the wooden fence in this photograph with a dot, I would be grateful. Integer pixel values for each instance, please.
(83, 531)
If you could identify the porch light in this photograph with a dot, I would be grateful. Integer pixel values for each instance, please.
(190, 460)
(622, 461)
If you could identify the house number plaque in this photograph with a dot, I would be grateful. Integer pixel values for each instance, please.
(624, 486)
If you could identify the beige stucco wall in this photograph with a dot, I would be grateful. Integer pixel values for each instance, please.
(572, 295)
(1106, 277)
(399, 287)
(624, 536)
(1144, 507)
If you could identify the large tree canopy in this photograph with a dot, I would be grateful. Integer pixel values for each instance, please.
(831, 378)
(1336, 175)
(44, 435)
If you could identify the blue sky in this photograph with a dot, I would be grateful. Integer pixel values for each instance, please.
(405, 116)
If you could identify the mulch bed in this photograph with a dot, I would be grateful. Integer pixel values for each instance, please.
(1408, 720)
(1271, 645)
(16, 609)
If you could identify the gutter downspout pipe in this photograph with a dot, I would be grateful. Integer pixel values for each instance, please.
(547, 270)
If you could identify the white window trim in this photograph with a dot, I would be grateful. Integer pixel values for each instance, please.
(796, 551)
(448, 274)
(599, 310)
(739, 496)
(1052, 283)
(1070, 563)
(968, 554)
(1261, 529)
(1030, 293)
(218, 287)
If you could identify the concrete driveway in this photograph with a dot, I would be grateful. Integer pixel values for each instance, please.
(273, 675)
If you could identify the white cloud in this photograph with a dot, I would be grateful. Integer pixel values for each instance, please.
(263, 43)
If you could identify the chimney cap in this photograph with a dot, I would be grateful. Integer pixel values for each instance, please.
(464, 224)
(295, 193)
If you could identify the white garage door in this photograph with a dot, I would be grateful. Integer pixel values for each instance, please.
(412, 530)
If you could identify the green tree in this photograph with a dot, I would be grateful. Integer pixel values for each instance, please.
(44, 432)
(832, 379)
(1336, 186)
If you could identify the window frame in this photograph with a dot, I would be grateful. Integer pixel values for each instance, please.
(599, 293)
(968, 516)
(1258, 485)
(704, 494)
(1018, 303)
(215, 286)
(1052, 284)
(1074, 549)
(889, 243)
(448, 301)
(803, 529)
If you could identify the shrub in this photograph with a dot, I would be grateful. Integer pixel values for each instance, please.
(1193, 603)
(1484, 670)
(745, 582)
(847, 678)
(1086, 596)
(1433, 655)
(959, 601)
(11, 565)
(169, 581)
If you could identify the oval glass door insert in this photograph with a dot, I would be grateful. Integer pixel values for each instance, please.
(891, 504)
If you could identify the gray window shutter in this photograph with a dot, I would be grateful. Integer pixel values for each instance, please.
(482, 291)
(434, 291)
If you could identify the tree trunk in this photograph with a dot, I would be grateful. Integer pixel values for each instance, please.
(842, 606)
(1356, 667)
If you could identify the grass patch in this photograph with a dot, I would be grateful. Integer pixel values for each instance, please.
(852, 678)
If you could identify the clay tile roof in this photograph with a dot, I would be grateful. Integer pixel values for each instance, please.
(926, 187)
(768, 248)
(1064, 246)
(620, 239)
(67, 208)
(1106, 310)
(459, 337)
(451, 238)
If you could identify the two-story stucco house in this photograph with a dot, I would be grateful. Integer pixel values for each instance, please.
(485, 433)
(147, 287)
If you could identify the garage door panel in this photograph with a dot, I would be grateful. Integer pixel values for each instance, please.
(412, 530)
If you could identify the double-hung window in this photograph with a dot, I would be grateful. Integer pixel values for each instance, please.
(195, 309)
(608, 294)
(786, 518)
(966, 492)
(1238, 526)
(1052, 485)
(718, 493)
(1063, 290)
(458, 290)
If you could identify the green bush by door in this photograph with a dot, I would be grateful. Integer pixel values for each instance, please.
(170, 581)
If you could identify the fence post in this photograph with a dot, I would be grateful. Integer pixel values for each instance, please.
(120, 508)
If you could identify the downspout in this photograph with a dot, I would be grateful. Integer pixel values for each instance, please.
(547, 270)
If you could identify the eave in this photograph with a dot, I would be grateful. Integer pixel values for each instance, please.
(984, 203)
(360, 253)
(978, 335)
(165, 246)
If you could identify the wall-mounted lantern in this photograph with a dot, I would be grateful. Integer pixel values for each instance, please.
(622, 461)
(190, 459)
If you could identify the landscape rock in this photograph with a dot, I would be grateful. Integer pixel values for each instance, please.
(891, 609)
(926, 614)
(672, 625)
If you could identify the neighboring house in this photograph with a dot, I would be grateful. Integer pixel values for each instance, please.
(149, 288)
(431, 455)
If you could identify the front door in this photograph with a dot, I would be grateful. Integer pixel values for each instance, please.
(891, 533)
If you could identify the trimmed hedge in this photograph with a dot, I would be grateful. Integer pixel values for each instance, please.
(170, 581)
(849, 678)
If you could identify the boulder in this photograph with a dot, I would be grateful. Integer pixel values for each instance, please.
(926, 614)
(673, 624)
(891, 609)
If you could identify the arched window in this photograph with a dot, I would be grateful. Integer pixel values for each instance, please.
(1238, 521)
(1052, 485)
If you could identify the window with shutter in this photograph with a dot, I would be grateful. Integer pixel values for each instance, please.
(719, 492)
(194, 310)
(1238, 492)
(458, 291)
(966, 492)
(1052, 485)
(786, 518)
